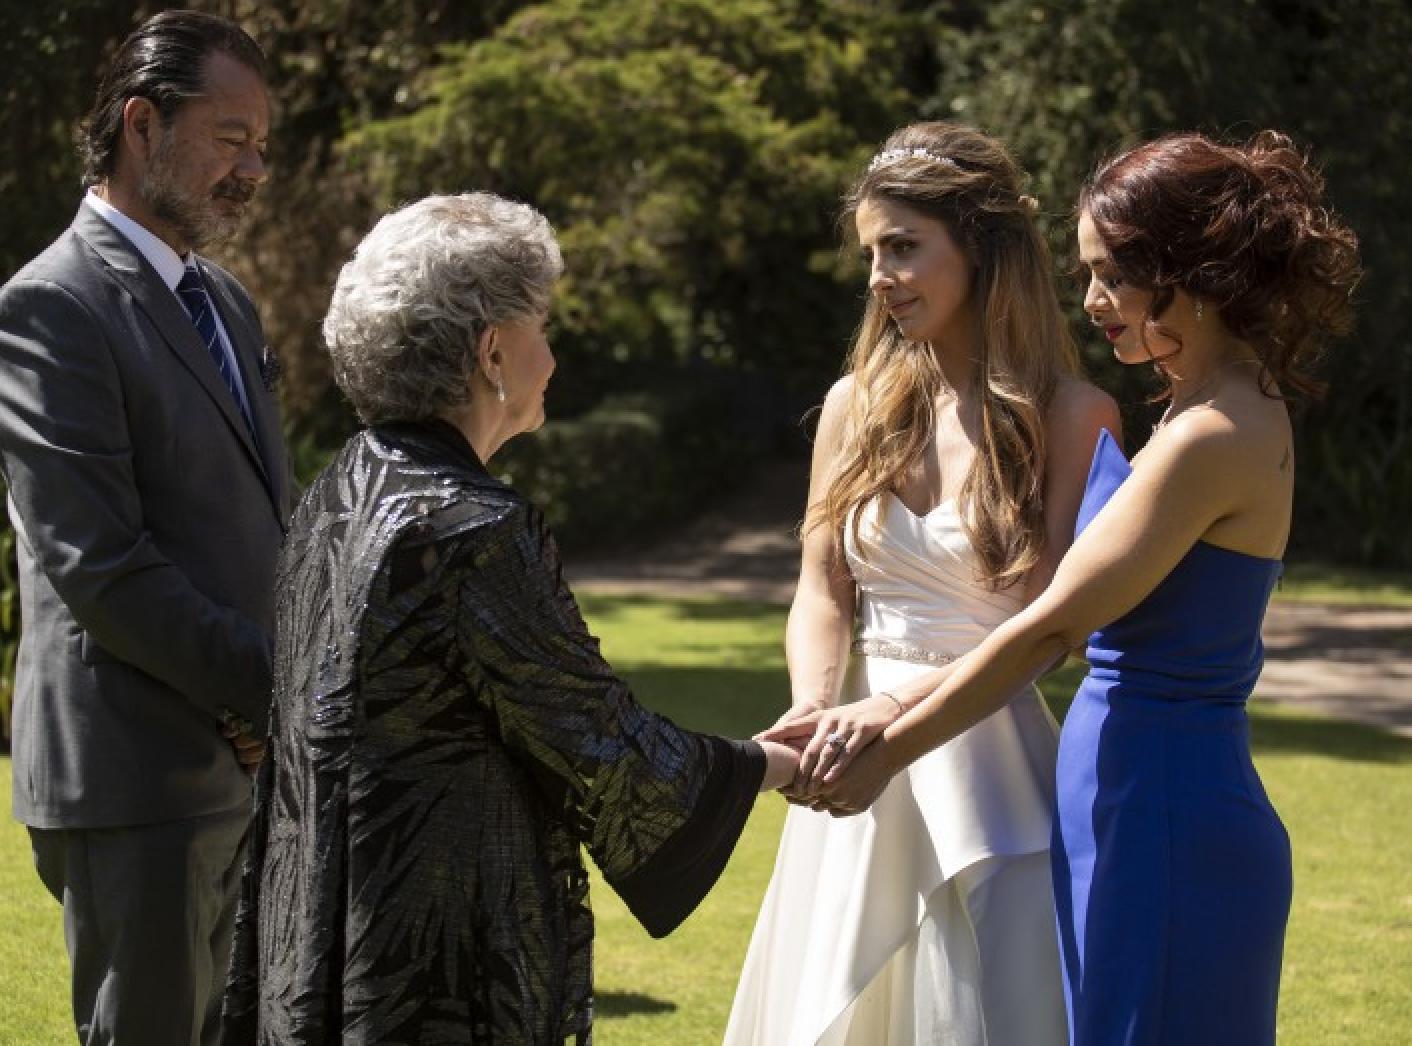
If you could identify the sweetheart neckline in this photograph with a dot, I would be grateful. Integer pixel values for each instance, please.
(922, 518)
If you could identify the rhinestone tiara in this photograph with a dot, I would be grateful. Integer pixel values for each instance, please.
(918, 152)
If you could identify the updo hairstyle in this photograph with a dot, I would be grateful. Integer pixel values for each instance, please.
(1243, 229)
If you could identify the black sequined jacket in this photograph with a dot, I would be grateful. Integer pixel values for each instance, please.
(445, 738)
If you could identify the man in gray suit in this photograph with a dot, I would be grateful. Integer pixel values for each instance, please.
(148, 490)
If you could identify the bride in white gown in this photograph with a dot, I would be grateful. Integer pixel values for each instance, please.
(947, 474)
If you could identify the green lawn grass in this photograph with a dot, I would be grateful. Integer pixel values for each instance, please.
(1343, 790)
(34, 972)
(1321, 583)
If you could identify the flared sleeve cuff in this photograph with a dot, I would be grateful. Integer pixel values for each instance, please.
(669, 885)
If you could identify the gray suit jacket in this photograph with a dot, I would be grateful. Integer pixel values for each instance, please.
(147, 522)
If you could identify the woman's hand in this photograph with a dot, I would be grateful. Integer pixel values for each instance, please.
(830, 736)
(249, 749)
(795, 712)
(781, 765)
(850, 792)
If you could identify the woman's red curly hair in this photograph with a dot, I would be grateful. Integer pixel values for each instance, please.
(1242, 228)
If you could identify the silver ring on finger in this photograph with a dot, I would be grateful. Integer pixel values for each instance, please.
(838, 742)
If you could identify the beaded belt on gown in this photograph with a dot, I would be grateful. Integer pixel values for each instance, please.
(900, 652)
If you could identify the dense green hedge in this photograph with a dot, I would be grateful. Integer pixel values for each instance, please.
(639, 463)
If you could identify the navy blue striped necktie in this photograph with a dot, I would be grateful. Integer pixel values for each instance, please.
(192, 293)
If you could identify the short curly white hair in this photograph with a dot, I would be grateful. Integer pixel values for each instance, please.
(410, 306)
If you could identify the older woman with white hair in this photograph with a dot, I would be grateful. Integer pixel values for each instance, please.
(445, 735)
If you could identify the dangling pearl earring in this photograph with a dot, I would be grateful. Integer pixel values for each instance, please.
(1200, 309)
(500, 391)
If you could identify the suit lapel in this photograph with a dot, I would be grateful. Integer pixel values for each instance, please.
(141, 281)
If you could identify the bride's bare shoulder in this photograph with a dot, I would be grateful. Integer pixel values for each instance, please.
(835, 413)
(1078, 410)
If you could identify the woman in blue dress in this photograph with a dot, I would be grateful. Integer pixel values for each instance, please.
(1220, 266)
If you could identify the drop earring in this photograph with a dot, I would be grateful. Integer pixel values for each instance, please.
(500, 391)
(1200, 309)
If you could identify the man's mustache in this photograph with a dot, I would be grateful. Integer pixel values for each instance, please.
(236, 190)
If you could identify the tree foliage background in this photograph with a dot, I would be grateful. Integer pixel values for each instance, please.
(691, 154)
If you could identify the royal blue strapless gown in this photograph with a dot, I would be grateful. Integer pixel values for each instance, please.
(1171, 868)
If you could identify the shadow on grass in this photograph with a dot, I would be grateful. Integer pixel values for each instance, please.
(1343, 639)
(684, 609)
(739, 701)
(1346, 584)
(629, 1004)
(1328, 737)
(1275, 732)
(763, 656)
(735, 702)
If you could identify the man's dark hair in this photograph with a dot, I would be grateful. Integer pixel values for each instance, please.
(164, 61)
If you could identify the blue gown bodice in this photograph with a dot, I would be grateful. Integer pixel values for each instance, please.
(1196, 637)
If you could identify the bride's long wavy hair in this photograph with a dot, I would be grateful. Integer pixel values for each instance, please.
(968, 181)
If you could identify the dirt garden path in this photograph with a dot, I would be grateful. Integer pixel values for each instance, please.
(1352, 663)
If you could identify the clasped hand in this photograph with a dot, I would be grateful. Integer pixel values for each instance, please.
(249, 749)
(843, 766)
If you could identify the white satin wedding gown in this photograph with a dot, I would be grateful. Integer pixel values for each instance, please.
(929, 918)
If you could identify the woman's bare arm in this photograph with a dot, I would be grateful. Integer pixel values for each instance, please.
(1188, 480)
(820, 626)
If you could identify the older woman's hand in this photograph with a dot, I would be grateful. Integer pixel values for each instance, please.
(781, 765)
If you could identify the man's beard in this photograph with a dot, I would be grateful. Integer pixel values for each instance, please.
(194, 217)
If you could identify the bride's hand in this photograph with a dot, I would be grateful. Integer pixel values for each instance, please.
(794, 714)
(839, 735)
(868, 773)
